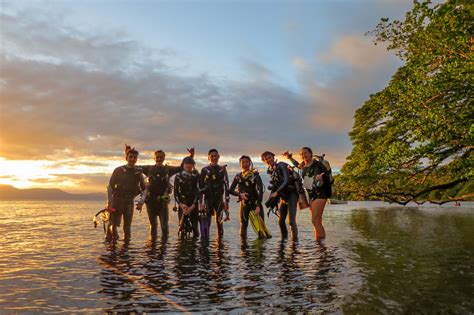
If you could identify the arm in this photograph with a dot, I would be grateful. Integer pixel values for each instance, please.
(176, 190)
(294, 162)
(232, 190)
(289, 156)
(201, 185)
(146, 169)
(110, 187)
(286, 177)
(143, 188)
(259, 182)
(109, 193)
(226, 185)
(174, 169)
(197, 194)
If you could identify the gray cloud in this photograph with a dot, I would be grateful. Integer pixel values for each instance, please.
(65, 92)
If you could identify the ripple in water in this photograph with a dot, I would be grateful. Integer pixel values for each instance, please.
(375, 260)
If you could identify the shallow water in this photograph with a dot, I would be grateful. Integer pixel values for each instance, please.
(376, 259)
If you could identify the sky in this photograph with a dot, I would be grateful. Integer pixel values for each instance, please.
(78, 80)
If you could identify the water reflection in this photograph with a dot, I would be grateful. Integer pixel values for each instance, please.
(406, 260)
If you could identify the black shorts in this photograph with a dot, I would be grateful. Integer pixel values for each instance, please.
(320, 194)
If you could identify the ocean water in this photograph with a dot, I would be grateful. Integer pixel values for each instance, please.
(376, 259)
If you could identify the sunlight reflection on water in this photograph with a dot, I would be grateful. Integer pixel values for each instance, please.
(375, 259)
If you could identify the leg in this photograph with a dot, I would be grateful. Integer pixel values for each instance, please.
(127, 221)
(292, 209)
(317, 208)
(218, 213)
(219, 225)
(163, 213)
(180, 225)
(194, 221)
(244, 220)
(152, 218)
(281, 219)
(114, 220)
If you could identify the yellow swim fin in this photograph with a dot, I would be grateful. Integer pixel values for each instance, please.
(258, 225)
(265, 231)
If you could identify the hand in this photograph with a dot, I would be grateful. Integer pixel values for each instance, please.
(244, 196)
(183, 206)
(191, 151)
(319, 177)
(287, 154)
(257, 210)
(139, 207)
(109, 207)
(273, 194)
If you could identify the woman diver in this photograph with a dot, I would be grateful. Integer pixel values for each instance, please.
(248, 186)
(317, 182)
(186, 194)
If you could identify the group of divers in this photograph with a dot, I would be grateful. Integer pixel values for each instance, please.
(201, 196)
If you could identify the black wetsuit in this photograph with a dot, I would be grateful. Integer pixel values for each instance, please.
(125, 184)
(311, 171)
(186, 191)
(215, 187)
(285, 187)
(158, 196)
(250, 183)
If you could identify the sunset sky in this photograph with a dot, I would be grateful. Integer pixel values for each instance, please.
(78, 80)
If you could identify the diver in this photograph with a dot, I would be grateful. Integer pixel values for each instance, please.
(317, 182)
(214, 186)
(283, 188)
(159, 190)
(186, 194)
(127, 182)
(250, 192)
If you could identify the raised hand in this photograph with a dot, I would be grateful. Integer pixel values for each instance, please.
(191, 151)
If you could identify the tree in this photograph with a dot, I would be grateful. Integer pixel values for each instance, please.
(413, 141)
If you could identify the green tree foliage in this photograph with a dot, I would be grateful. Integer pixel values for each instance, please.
(413, 141)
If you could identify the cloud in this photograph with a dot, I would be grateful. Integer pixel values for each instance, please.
(360, 68)
(73, 97)
(357, 51)
(69, 108)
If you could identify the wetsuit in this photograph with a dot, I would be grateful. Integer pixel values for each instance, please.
(186, 191)
(158, 196)
(308, 173)
(215, 187)
(125, 184)
(284, 185)
(249, 182)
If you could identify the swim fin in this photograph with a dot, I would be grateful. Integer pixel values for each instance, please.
(258, 225)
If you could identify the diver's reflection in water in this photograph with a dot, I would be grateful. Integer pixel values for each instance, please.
(253, 266)
(185, 269)
(116, 264)
(155, 272)
(290, 269)
(324, 268)
(218, 280)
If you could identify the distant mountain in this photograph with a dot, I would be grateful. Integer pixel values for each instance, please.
(8, 192)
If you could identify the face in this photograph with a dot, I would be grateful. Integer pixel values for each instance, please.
(132, 159)
(188, 167)
(214, 157)
(245, 164)
(159, 158)
(306, 155)
(269, 159)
